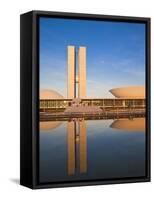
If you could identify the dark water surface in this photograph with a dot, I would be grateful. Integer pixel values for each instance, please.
(92, 149)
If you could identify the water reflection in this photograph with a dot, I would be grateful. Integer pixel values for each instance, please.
(81, 149)
(49, 125)
(135, 124)
(77, 140)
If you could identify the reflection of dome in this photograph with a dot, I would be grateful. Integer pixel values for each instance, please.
(129, 92)
(136, 124)
(44, 126)
(50, 94)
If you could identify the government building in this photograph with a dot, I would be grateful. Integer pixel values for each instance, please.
(123, 97)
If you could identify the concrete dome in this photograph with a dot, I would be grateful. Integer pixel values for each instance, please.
(50, 94)
(133, 92)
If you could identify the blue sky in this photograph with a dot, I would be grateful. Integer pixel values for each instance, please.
(115, 54)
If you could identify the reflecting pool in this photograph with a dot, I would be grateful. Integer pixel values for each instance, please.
(81, 149)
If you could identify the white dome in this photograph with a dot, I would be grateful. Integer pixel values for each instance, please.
(50, 94)
(129, 92)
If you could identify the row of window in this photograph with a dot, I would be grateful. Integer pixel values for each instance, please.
(103, 103)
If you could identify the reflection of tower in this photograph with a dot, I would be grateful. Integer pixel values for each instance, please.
(72, 79)
(73, 138)
(71, 147)
(82, 146)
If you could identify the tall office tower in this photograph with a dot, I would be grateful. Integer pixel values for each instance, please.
(71, 73)
(72, 79)
(82, 72)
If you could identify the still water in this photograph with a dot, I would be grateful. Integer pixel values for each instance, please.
(91, 149)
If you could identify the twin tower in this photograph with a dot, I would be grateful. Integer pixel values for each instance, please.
(76, 75)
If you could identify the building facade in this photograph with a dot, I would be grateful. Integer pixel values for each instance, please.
(60, 104)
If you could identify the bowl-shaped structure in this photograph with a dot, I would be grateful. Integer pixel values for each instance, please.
(133, 92)
(50, 94)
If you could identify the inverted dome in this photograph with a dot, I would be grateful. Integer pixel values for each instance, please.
(129, 92)
(50, 94)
